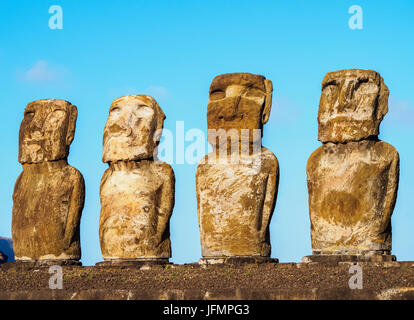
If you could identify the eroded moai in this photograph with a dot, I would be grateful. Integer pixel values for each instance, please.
(49, 194)
(353, 177)
(137, 190)
(237, 182)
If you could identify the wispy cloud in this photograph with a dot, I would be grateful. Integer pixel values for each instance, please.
(43, 72)
(284, 111)
(157, 92)
(400, 112)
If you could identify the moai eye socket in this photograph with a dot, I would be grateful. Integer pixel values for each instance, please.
(330, 87)
(29, 114)
(364, 86)
(56, 115)
(55, 119)
(361, 82)
(329, 93)
(115, 109)
(254, 92)
(143, 111)
(217, 95)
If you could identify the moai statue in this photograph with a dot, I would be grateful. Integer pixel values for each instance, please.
(49, 194)
(237, 183)
(353, 177)
(137, 190)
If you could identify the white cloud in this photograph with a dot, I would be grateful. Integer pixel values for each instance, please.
(157, 92)
(42, 72)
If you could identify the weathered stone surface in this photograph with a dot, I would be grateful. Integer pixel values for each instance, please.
(353, 177)
(353, 103)
(337, 258)
(49, 194)
(238, 260)
(137, 190)
(135, 263)
(236, 199)
(385, 280)
(133, 129)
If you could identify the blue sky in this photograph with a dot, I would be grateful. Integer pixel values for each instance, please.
(172, 50)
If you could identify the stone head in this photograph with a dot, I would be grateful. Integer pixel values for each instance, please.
(133, 129)
(238, 101)
(47, 130)
(352, 105)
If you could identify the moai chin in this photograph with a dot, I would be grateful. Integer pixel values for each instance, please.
(137, 190)
(236, 199)
(49, 194)
(353, 177)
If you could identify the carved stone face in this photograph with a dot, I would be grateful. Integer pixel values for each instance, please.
(353, 103)
(131, 129)
(238, 101)
(47, 130)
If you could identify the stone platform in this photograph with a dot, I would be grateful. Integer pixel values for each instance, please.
(336, 258)
(133, 263)
(235, 261)
(47, 263)
(306, 281)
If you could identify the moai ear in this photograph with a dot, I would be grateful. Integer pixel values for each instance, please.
(73, 114)
(382, 108)
(268, 101)
(160, 122)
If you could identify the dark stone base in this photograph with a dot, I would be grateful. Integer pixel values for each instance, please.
(237, 260)
(48, 263)
(336, 258)
(133, 263)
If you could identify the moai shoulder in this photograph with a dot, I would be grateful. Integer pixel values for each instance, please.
(49, 194)
(353, 177)
(137, 190)
(237, 183)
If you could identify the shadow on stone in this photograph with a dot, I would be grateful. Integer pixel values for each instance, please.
(137, 263)
(237, 261)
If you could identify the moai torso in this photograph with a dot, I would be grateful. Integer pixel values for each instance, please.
(137, 192)
(136, 200)
(353, 176)
(46, 213)
(236, 200)
(49, 194)
(235, 204)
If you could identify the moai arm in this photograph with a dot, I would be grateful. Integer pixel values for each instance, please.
(392, 188)
(200, 171)
(166, 200)
(270, 196)
(101, 221)
(17, 186)
(76, 203)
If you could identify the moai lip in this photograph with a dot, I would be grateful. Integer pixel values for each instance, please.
(236, 200)
(137, 190)
(49, 194)
(353, 177)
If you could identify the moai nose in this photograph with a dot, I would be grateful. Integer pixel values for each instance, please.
(345, 94)
(229, 110)
(37, 123)
(117, 129)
